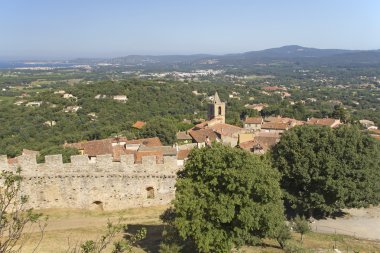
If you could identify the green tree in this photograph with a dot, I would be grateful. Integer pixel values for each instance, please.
(340, 113)
(226, 198)
(162, 128)
(324, 169)
(301, 225)
(283, 235)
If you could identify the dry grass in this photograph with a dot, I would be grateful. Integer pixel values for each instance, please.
(69, 227)
(316, 242)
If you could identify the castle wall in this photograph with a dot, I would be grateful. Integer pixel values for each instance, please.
(99, 184)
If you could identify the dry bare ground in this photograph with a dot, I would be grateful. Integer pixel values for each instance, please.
(69, 227)
(362, 223)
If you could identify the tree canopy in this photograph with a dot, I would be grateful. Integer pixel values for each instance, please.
(163, 128)
(324, 169)
(227, 197)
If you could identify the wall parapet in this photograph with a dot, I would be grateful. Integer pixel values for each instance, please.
(81, 163)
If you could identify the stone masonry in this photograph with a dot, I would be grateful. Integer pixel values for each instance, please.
(103, 184)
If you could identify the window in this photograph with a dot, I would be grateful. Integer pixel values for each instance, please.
(219, 110)
(150, 193)
(97, 205)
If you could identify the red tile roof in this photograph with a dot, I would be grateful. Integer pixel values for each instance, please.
(375, 131)
(253, 120)
(93, 148)
(102, 147)
(226, 129)
(200, 135)
(263, 143)
(149, 142)
(183, 136)
(274, 125)
(324, 122)
(138, 124)
(183, 154)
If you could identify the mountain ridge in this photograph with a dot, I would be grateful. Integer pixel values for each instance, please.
(287, 53)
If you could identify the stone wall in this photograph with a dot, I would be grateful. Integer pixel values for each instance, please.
(102, 184)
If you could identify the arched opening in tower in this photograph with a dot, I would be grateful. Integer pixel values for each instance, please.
(219, 110)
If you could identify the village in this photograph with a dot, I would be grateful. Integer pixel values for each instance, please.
(258, 135)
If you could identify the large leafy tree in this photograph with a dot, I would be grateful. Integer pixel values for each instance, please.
(225, 198)
(324, 169)
(163, 128)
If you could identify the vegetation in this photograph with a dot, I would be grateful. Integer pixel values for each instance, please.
(226, 198)
(110, 236)
(283, 236)
(15, 217)
(324, 169)
(163, 128)
(315, 92)
(301, 225)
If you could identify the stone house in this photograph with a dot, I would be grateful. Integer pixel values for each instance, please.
(120, 98)
(203, 137)
(253, 123)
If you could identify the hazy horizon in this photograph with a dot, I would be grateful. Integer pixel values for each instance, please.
(62, 30)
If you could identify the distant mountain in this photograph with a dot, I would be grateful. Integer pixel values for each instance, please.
(295, 51)
(303, 55)
(292, 53)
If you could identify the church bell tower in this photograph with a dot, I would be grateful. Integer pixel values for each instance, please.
(217, 109)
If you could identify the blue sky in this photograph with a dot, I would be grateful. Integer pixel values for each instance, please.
(53, 29)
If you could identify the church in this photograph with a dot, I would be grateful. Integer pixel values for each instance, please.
(215, 128)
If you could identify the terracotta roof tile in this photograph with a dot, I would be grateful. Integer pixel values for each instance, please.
(182, 154)
(253, 120)
(138, 124)
(150, 142)
(200, 135)
(93, 148)
(263, 143)
(274, 125)
(226, 129)
(164, 150)
(183, 136)
(324, 122)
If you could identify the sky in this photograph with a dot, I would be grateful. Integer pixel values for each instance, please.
(66, 29)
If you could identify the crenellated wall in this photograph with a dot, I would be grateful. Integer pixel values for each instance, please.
(99, 184)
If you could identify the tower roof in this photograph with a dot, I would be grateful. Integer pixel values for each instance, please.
(216, 98)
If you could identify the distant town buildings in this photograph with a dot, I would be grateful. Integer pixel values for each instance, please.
(120, 98)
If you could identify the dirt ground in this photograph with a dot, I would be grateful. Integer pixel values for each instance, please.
(361, 223)
(67, 228)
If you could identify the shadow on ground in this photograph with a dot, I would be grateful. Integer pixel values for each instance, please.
(153, 238)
